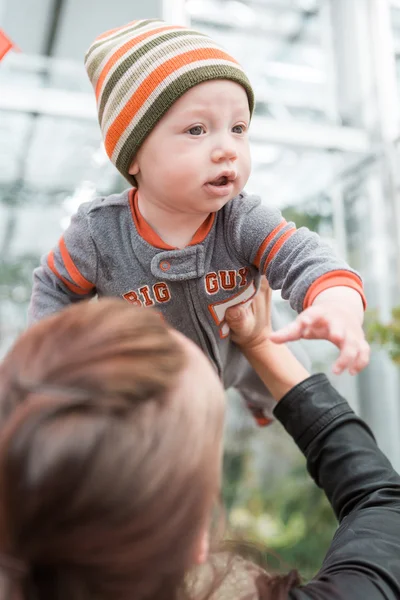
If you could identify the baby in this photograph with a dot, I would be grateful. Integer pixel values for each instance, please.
(174, 110)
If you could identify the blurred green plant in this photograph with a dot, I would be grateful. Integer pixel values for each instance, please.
(16, 277)
(310, 219)
(233, 471)
(292, 521)
(308, 522)
(386, 335)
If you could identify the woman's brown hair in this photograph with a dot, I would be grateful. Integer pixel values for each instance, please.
(107, 476)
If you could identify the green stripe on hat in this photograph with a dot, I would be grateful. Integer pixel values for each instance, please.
(136, 55)
(117, 36)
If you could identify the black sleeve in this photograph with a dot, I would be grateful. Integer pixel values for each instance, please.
(363, 561)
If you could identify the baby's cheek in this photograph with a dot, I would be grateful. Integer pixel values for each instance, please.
(245, 161)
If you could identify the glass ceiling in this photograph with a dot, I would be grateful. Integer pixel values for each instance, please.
(283, 45)
(51, 156)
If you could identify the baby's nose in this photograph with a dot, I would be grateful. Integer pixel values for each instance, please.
(224, 153)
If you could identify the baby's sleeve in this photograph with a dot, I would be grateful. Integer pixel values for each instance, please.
(296, 261)
(68, 273)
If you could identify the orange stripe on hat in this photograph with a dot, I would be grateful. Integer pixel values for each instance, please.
(123, 50)
(118, 127)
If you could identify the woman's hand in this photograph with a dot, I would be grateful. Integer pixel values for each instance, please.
(250, 323)
(250, 326)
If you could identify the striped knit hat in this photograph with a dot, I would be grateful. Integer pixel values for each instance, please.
(139, 70)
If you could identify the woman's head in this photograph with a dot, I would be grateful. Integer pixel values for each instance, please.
(109, 454)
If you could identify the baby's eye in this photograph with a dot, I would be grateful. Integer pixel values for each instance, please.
(239, 129)
(197, 130)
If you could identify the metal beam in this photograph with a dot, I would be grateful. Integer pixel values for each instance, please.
(78, 105)
(291, 99)
(279, 6)
(294, 97)
(11, 99)
(56, 103)
(309, 135)
(221, 24)
(258, 31)
(54, 23)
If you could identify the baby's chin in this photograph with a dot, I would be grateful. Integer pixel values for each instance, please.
(216, 205)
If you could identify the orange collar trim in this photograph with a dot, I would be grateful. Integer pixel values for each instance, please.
(148, 234)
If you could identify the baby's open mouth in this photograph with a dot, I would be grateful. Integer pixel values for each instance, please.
(220, 181)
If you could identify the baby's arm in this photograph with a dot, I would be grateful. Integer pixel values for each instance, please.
(335, 315)
(320, 286)
(68, 273)
(296, 261)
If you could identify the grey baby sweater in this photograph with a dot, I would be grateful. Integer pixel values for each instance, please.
(109, 250)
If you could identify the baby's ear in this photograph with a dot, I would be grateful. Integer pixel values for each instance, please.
(134, 168)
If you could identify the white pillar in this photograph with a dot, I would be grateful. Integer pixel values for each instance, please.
(327, 44)
(384, 65)
(367, 98)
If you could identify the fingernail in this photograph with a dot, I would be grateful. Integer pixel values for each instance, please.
(235, 313)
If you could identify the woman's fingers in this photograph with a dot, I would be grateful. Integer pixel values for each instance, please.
(251, 321)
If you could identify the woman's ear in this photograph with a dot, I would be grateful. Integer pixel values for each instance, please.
(202, 548)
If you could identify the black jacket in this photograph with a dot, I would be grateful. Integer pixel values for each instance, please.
(363, 561)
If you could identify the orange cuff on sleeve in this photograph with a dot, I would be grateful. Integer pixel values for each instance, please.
(334, 279)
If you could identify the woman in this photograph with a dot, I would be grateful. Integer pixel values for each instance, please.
(110, 466)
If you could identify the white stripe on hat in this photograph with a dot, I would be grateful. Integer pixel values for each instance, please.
(114, 45)
(156, 57)
(157, 92)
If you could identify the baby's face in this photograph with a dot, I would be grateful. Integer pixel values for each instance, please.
(197, 158)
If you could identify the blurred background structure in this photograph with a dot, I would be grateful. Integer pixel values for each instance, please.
(326, 150)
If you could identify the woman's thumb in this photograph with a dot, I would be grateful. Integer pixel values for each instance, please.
(234, 314)
(239, 322)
